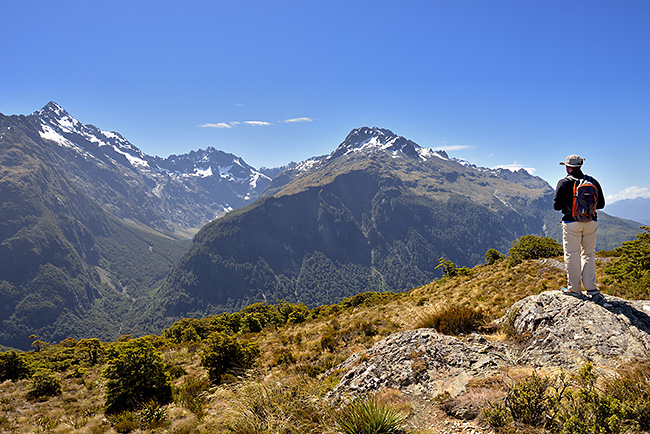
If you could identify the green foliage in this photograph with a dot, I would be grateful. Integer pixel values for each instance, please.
(13, 367)
(533, 247)
(365, 415)
(44, 383)
(251, 319)
(450, 270)
(577, 407)
(136, 375)
(631, 271)
(632, 388)
(496, 414)
(588, 411)
(531, 401)
(453, 320)
(152, 415)
(224, 354)
(492, 256)
(90, 350)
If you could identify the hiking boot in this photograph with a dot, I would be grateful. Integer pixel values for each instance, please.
(595, 296)
(572, 293)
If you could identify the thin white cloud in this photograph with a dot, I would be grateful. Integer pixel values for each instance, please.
(297, 120)
(216, 125)
(258, 123)
(253, 123)
(453, 147)
(515, 167)
(633, 192)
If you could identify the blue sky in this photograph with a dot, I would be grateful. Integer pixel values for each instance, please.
(519, 83)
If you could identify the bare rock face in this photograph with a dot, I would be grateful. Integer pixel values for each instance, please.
(554, 330)
(422, 362)
(563, 330)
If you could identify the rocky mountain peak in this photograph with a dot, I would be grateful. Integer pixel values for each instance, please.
(368, 140)
(51, 110)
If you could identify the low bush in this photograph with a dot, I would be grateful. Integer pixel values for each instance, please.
(13, 367)
(453, 320)
(366, 415)
(533, 247)
(224, 354)
(44, 383)
(136, 375)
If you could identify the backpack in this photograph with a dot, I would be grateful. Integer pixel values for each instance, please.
(585, 199)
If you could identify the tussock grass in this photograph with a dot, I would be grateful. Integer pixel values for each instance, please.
(286, 390)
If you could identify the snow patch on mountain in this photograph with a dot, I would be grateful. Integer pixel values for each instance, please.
(48, 133)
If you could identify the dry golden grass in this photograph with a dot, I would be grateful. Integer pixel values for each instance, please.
(295, 354)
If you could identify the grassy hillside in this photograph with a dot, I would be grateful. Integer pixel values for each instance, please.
(295, 347)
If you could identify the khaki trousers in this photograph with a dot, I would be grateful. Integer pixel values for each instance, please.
(579, 242)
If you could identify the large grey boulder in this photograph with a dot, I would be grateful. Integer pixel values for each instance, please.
(564, 330)
(553, 330)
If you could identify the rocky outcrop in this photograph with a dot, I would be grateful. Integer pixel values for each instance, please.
(563, 330)
(553, 330)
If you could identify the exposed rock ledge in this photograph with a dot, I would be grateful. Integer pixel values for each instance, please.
(557, 331)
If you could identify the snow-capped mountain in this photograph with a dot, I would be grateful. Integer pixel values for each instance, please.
(180, 191)
(364, 142)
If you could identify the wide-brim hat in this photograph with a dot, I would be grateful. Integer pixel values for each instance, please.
(573, 161)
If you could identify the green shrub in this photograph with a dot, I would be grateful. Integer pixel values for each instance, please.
(530, 402)
(492, 256)
(533, 247)
(224, 354)
(453, 320)
(450, 270)
(44, 383)
(631, 271)
(587, 411)
(366, 415)
(13, 367)
(152, 415)
(89, 350)
(136, 375)
(496, 414)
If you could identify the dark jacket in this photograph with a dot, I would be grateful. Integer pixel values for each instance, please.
(563, 199)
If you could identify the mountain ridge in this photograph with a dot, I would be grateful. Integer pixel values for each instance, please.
(90, 226)
(376, 213)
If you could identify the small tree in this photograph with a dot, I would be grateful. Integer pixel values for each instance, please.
(450, 269)
(632, 268)
(224, 354)
(12, 367)
(533, 247)
(136, 375)
(492, 256)
(44, 383)
(89, 350)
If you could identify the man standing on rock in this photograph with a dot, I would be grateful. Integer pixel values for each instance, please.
(578, 196)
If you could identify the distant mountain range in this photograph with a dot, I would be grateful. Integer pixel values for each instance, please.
(632, 209)
(94, 233)
(376, 214)
(173, 194)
